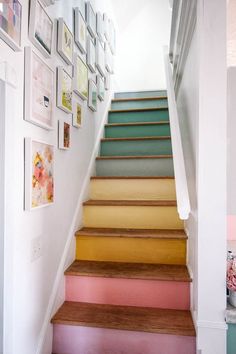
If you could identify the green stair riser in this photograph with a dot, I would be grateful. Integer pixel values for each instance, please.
(139, 104)
(135, 167)
(231, 339)
(158, 93)
(132, 117)
(137, 131)
(136, 147)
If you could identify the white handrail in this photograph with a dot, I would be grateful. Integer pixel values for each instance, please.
(183, 203)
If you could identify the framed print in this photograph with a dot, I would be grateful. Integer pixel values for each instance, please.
(40, 28)
(91, 55)
(91, 19)
(106, 27)
(38, 91)
(77, 113)
(107, 81)
(80, 78)
(112, 36)
(100, 27)
(100, 57)
(65, 42)
(63, 135)
(81, 7)
(39, 174)
(10, 23)
(100, 88)
(64, 90)
(92, 102)
(109, 61)
(80, 30)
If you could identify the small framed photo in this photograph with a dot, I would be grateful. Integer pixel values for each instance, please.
(100, 57)
(64, 90)
(10, 23)
(63, 135)
(80, 30)
(77, 113)
(39, 174)
(92, 102)
(107, 81)
(100, 88)
(65, 42)
(109, 61)
(91, 55)
(100, 27)
(39, 91)
(91, 19)
(80, 78)
(40, 28)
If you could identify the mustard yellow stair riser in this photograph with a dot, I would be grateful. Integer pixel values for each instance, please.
(133, 189)
(133, 217)
(123, 249)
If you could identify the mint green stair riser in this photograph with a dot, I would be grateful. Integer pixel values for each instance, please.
(159, 93)
(139, 104)
(231, 339)
(135, 167)
(144, 116)
(137, 131)
(136, 147)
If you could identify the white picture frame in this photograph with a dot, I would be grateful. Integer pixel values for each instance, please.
(64, 135)
(65, 41)
(91, 55)
(81, 7)
(91, 19)
(78, 112)
(92, 101)
(80, 30)
(100, 57)
(106, 27)
(80, 81)
(38, 91)
(100, 88)
(112, 37)
(40, 28)
(11, 26)
(109, 60)
(64, 90)
(100, 27)
(107, 80)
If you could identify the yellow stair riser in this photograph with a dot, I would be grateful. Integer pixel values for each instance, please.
(134, 217)
(122, 249)
(133, 189)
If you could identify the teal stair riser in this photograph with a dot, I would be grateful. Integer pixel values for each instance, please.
(231, 339)
(140, 104)
(137, 131)
(135, 167)
(136, 147)
(132, 117)
(159, 93)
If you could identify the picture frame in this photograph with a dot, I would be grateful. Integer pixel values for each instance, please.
(100, 57)
(100, 27)
(106, 27)
(11, 23)
(64, 90)
(92, 101)
(78, 112)
(112, 37)
(91, 55)
(107, 81)
(38, 91)
(65, 41)
(91, 19)
(81, 7)
(100, 88)
(80, 77)
(80, 30)
(39, 174)
(64, 135)
(40, 28)
(109, 61)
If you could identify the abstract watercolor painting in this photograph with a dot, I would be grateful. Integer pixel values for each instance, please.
(80, 78)
(80, 30)
(64, 135)
(10, 23)
(39, 174)
(64, 90)
(65, 42)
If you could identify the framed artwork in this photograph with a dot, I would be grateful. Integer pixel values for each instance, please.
(107, 81)
(109, 61)
(91, 55)
(10, 23)
(81, 7)
(39, 91)
(100, 57)
(80, 78)
(65, 42)
(40, 28)
(39, 174)
(100, 27)
(64, 90)
(106, 26)
(80, 30)
(63, 135)
(100, 88)
(91, 19)
(77, 113)
(92, 101)
(112, 36)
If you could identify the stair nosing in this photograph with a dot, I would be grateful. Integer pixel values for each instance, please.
(134, 157)
(151, 203)
(131, 177)
(146, 138)
(136, 123)
(139, 99)
(138, 110)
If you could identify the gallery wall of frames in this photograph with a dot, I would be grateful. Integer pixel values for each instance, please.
(88, 48)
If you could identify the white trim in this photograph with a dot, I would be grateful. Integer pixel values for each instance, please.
(213, 325)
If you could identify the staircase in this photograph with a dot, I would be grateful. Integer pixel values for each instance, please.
(128, 290)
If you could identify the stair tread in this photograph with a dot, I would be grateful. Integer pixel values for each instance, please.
(131, 202)
(118, 232)
(139, 99)
(134, 157)
(131, 318)
(129, 270)
(131, 177)
(137, 138)
(126, 110)
(135, 124)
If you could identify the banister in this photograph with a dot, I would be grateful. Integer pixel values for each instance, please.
(183, 202)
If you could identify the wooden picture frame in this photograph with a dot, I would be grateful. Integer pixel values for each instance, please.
(65, 41)
(64, 90)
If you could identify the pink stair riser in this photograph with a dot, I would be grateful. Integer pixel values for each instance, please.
(128, 292)
(87, 340)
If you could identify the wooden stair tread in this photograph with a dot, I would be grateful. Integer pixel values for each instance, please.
(139, 99)
(117, 232)
(153, 320)
(146, 138)
(127, 110)
(148, 271)
(135, 124)
(134, 157)
(131, 177)
(130, 202)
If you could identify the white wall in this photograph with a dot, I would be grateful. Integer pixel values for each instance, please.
(33, 282)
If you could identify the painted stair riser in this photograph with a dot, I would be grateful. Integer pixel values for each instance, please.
(136, 147)
(140, 104)
(131, 250)
(132, 189)
(231, 338)
(135, 167)
(87, 340)
(138, 131)
(132, 117)
(132, 217)
(128, 292)
(141, 94)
